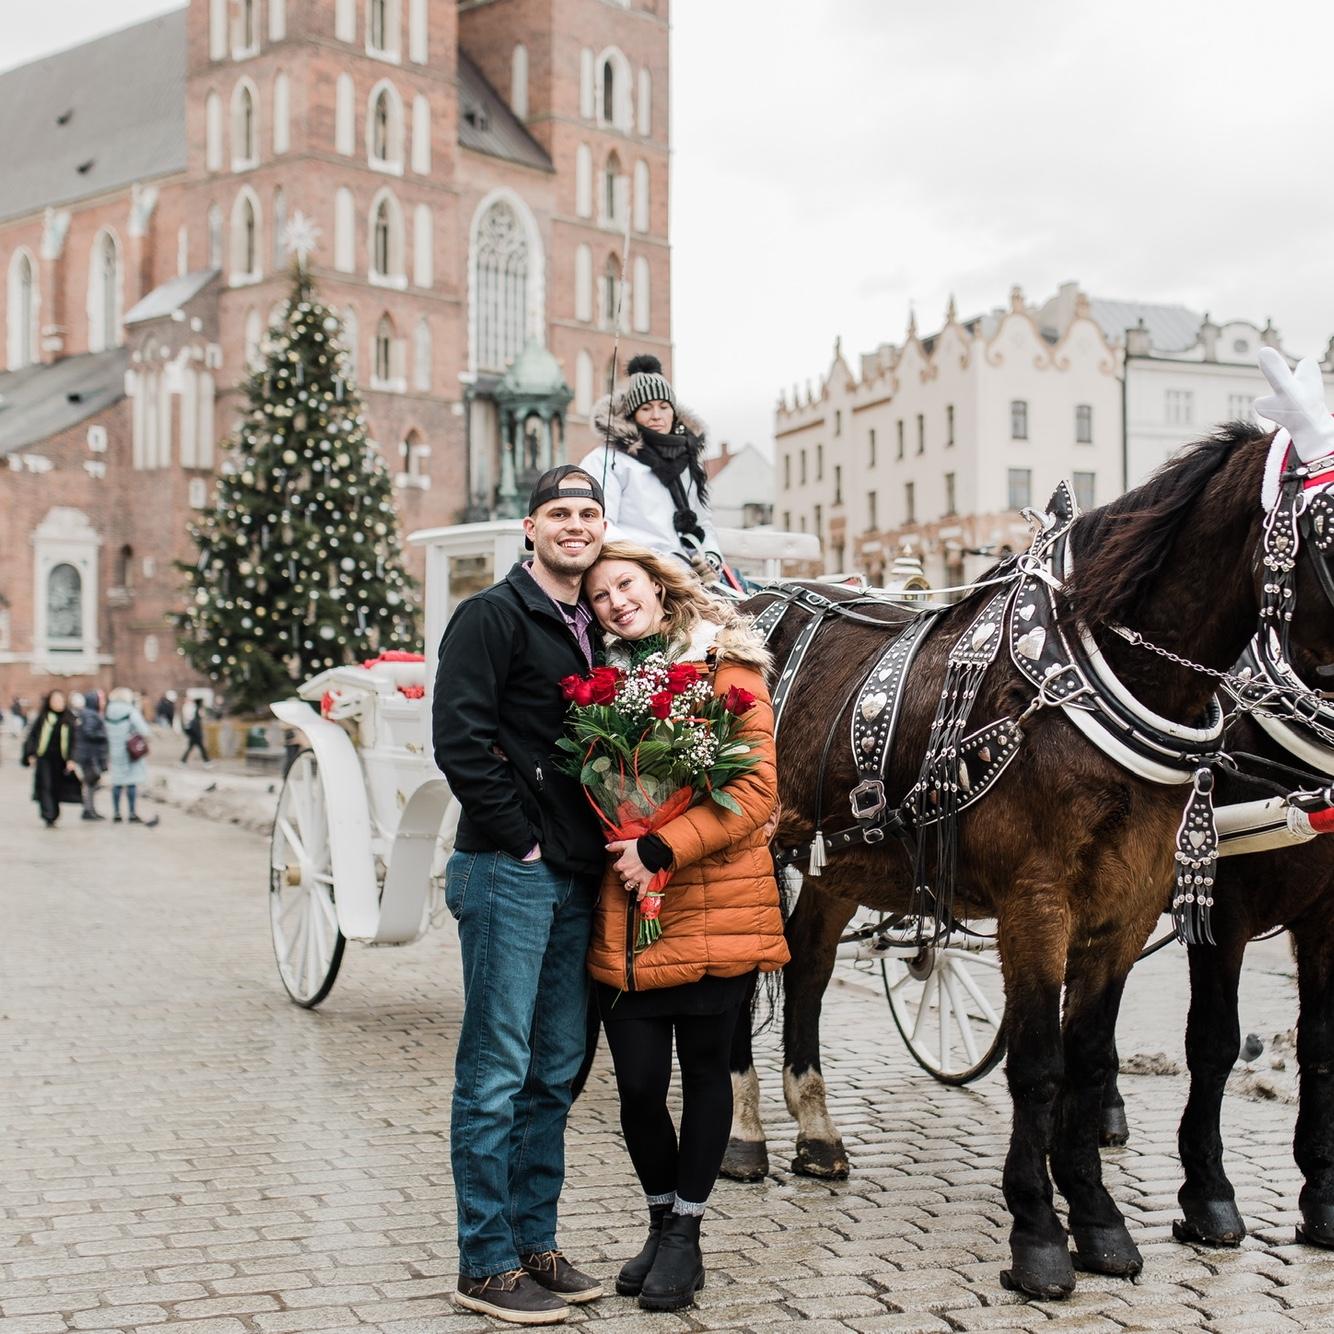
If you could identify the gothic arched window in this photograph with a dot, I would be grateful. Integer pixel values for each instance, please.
(384, 349)
(379, 25)
(104, 294)
(22, 311)
(249, 33)
(248, 254)
(608, 92)
(381, 238)
(64, 606)
(501, 287)
(380, 127)
(611, 189)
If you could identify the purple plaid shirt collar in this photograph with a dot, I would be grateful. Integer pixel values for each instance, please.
(579, 623)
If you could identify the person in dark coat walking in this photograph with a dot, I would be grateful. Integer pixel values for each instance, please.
(49, 748)
(194, 734)
(90, 748)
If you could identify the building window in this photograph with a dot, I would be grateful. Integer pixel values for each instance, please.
(587, 93)
(22, 311)
(217, 29)
(872, 519)
(501, 287)
(921, 433)
(1084, 424)
(899, 451)
(787, 521)
(1240, 408)
(645, 108)
(1019, 419)
(583, 284)
(279, 227)
(838, 484)
(519, 81)
(282, 131)
(1020, 488)
(245, 136)
(104, 294)
(345, 20)
(611, 290)
(642, 303)
(247, 29)
(642, 213)
(386, 234)
(802, 461)
(787, 472)
(345, 116)
(277, 20)
(345, 230)
(423, 241)
(1180, 407)
(421, 357)
(613, 192)
(950, 507)
(382, 20)
(612, 91)
(819, 522)
(245, 239)
(949, 425)
(384, 350)
(909, 503)
(819, 463)
(384, 129)
(417, 31)
(838, 422)
(215, 237)
(213, 132)
(1084, 489)
(64, 609)
(870, 436)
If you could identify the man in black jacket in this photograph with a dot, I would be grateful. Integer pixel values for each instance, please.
(522, 881)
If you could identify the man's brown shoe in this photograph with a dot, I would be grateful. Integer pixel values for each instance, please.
(557, 1275)
(511, 1296)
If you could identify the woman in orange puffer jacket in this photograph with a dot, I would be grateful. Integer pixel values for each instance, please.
(720, 922)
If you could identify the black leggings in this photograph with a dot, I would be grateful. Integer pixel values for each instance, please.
(641, 1050)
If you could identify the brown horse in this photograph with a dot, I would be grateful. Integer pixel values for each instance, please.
(1292, 888)
(1070, 853)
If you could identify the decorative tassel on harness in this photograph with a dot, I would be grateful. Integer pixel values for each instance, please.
(818, 858)
(1196, 859)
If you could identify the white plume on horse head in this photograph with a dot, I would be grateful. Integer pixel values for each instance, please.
(1297, 404)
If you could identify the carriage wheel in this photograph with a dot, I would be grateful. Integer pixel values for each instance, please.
(306, 940)
(948, 1003)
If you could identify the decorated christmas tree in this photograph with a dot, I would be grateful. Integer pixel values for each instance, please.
(298, 564)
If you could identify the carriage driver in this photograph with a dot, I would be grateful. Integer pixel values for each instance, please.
(521, 883)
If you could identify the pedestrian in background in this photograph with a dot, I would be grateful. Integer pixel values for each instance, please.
(128, 768)
(49, 748)
(194, 735)
(165, 712)
(90, 747)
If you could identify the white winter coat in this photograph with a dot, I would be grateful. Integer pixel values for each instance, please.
(639, 507)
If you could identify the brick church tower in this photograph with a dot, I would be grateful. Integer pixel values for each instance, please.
(471, 166)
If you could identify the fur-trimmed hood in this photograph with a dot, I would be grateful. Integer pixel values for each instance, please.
(623, 431)
(736, 643)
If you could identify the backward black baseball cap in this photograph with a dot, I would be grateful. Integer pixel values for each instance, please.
(550, 487)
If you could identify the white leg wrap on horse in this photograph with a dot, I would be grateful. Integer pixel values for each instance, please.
(746, 1123)
(805, 1097)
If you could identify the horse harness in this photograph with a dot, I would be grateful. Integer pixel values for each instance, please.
(960, 767)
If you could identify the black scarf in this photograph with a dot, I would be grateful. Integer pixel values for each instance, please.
(668, 457)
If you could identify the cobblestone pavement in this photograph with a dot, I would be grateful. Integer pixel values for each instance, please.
(184, 1148)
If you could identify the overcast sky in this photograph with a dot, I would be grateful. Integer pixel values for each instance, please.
(835, 162)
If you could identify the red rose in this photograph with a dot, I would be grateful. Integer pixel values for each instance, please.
(660, 705)
(681, 676)
(604, 681)
(578, 690)
(738, 701)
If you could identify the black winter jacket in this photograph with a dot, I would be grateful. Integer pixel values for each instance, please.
(497, 713)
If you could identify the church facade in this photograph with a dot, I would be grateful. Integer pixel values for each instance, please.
(472, 169)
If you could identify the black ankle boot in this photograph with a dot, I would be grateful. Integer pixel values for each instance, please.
(630, 1280)
(678, 1268)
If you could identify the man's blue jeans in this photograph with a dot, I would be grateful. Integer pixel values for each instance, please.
(524, 930)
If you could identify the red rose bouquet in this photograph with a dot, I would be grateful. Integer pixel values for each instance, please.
(648, 741)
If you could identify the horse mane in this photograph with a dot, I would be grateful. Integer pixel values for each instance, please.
(1121, 546)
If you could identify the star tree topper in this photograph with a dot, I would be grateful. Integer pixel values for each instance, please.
(301, 237)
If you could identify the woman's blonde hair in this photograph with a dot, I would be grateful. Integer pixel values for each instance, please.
(121, 695)
(685, 602)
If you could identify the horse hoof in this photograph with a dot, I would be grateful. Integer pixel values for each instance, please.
(1106, 1250)
(1317, 1226)
(1115, 1130)
(745, 1160)
(1043, 1271)
(1210, 1223)
(821, 1158)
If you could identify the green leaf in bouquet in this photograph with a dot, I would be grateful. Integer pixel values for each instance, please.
(726, 801)
(601, 764)
(587, 774)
